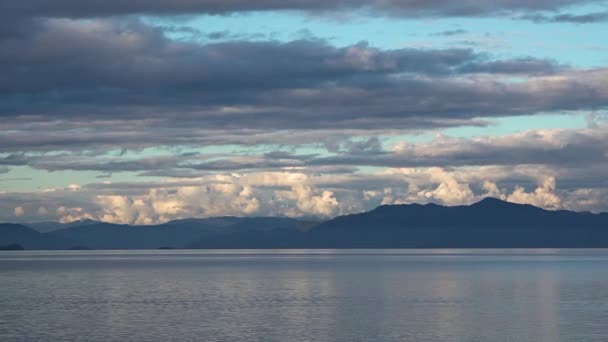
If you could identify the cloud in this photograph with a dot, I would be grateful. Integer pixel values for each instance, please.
(242, 195)
(307, 202)
(115, 57)
(449, 33)
(127, 86)
(449, 190)
(302, 194)
(71, 162)
(68, 215)
(522, 167)
(19, 211)
(13, 159)
(429, 8)
(589, 18)
(80, 82)
(456, 187)
(555, 147)
(579, 155)
(543, 196)
(529, 66)
(591, 199)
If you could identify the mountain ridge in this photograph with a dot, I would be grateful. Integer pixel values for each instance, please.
(488, 223)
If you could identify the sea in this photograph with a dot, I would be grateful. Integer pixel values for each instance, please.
(304, 295)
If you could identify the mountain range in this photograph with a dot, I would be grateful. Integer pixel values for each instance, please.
(490, 223)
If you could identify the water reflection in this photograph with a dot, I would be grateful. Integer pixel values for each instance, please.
(304, 296)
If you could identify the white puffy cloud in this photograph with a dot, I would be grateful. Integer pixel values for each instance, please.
(221, 195)
(454, 187)
(429, 185)
(122, 209)
(543, 196)
(74, 187)
(449, 190)
(298, 193)
(492, 190)
(18, 211)
(67, 215)
(307, 202)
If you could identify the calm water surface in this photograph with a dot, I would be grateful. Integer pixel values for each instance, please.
(302, 295)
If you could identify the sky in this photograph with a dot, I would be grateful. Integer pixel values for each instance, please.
(149, 111)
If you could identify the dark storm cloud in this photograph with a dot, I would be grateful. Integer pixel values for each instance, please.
(449, 33)
(287, 155)
(478, 156)
(406, 104)
(559, 148)
(130, 61)
(160, 164)
(15, 159)
(80, 9)
(76, 164)
(588, 18)
(100, 136)
(516, 66)
(100, 84)
(555, 148)
(137, 187)
(93, 84)
(245, 164)
(573, 157)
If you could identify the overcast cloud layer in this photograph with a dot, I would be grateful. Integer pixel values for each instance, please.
(79, 9)
(302, 127)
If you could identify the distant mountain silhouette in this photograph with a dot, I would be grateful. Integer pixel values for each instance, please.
(12, 247)
(28, 238)
(490, 223)
(173, 234)
(45, 227)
